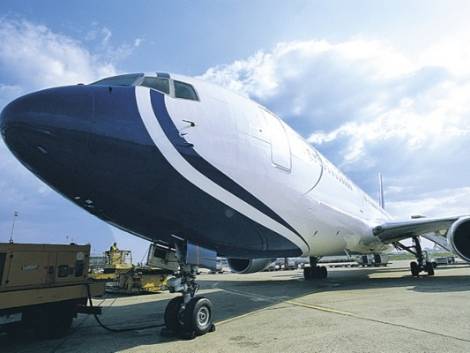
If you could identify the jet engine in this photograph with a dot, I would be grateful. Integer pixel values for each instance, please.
(248, 265)
(459, 238)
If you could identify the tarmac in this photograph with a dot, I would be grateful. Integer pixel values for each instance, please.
(354, 310)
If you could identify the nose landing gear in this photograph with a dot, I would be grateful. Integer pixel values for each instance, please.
(189, 315)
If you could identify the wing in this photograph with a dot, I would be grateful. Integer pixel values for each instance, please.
(434, 229)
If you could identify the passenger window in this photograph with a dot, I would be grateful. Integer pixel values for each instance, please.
(158, 83)
(183, 90)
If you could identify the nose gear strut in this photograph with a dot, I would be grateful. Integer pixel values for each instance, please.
(189, 315)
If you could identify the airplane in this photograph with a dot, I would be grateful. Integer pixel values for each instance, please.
(203, 172)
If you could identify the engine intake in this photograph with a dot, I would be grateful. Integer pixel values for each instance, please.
(248, 265)
(459, 238)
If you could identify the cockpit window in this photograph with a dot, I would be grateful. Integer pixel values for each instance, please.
(121, 80)
(161, 83)
(158, 83)
(184, 90)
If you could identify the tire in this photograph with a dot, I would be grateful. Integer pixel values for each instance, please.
(60, 323)
(308, 273)
(377, 259)
(15, 331)
(50, 321)
(173, 316)
(430, 268)
(62, 319)
(198, 316)
(414, 268)
(38, 320)
(311, 273)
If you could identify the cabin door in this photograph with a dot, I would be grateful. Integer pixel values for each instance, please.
(280, 149)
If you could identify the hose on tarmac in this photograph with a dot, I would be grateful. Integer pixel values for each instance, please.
(125, 329)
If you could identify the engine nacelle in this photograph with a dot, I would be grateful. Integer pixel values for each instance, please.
(459, 238)
(248, 265)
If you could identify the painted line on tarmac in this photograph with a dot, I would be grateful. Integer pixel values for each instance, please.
(320, 308)
(251, 313)
(279, 300)
(255, 297)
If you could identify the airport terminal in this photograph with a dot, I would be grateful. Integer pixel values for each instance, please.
(311, 197)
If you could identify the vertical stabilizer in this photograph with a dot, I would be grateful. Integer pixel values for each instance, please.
(381, 192)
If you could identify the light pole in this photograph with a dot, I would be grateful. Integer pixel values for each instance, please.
(15, 214)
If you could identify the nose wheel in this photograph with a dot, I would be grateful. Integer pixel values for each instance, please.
(190, 320)
(198, 316)
(189, 315)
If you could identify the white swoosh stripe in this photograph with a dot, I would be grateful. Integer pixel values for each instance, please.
(175, 159)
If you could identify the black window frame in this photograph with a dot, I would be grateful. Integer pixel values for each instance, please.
(185, 84)
(156, 78)
(107, 81)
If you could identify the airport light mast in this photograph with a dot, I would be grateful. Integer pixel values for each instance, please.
(15, 214)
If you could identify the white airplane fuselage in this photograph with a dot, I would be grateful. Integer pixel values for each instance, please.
(209, 166)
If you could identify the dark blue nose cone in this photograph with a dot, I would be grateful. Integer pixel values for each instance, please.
(3, 122)
(8, 117)
(48, 130)
(44, 111)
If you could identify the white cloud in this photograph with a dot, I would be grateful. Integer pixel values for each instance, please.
(442, 203)
(106, 34)
(32, 56)
(429, 126)
(451, 53)
(265, 73)
(138, 42)
(100, 39)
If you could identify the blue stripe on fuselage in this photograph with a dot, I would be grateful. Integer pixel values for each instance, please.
(203, 166)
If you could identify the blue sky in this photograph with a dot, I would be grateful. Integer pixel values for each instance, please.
(375, 86)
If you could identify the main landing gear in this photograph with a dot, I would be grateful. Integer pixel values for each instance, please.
(189, 315)
(314, 271)
(421, 264)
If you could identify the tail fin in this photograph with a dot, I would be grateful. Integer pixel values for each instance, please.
(381, 192)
